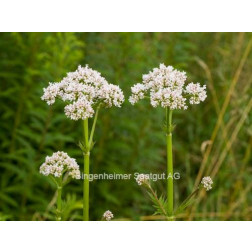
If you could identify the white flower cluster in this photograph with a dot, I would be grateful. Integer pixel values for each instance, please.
(108, 215)
(207, 183)
(59, 163)
(196, 92)
(142, 179)
(167, 88)
(83, 89)
(138, 93)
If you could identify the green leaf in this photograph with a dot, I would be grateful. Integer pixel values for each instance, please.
(187, 202)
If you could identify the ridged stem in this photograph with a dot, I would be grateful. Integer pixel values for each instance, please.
(88, 142)
(59, 205)
(86, 173)
(169, 163)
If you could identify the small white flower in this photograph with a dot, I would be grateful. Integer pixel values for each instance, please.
(138, 91)
(198, 93)
(167, 89)
(58, 163)
(108, 215)
(50, 93)
(80, 109)
(84, 89)
(142, 179)
(111, 95)
(207, 183)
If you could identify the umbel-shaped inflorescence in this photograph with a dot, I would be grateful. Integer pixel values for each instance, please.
(58, 164)
(207, 182)
(83, 90)
(142, 179)
(55, 167)
(108, 216)
(166, 87)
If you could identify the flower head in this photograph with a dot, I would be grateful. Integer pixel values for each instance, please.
(138, 92)
(142, 179)
(83, 90)
(108, 215)
(207, 183)
(167, 89)
(80, 109)
(196, 92)
(59, 163)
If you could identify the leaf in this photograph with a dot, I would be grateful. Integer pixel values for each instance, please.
(187, 202)
(160, 204)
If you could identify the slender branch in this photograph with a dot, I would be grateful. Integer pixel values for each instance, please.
(54, 180)
(85, 131)
(183, 205)
(156, 197)
(93, 126)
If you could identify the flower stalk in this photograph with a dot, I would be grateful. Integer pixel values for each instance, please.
(59, 203)
(169, 163)
(86, 172)
(88, 144)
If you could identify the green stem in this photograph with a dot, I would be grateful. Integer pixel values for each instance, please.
(88, 141)
(169, 162)
(93, 126)
(86, 173)
(85, 131)
(59, 205)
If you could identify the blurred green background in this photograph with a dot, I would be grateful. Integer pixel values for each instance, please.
(214, 138)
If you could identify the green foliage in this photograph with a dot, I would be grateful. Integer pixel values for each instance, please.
(129, 139)
(186, 203)
(160, 204)
(70, 208)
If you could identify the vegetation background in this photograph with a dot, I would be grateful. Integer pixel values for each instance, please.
(214, 138)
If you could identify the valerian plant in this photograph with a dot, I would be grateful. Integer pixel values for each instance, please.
(60, 168)
(165, 87)
(85, 92)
